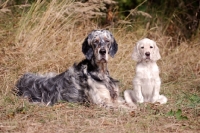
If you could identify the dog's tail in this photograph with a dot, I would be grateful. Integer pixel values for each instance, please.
(37, 88)
(51, 88)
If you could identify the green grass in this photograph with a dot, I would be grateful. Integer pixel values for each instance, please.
(49, 38)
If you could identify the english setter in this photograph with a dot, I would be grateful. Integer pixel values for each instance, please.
(146, 81)
(87, 81)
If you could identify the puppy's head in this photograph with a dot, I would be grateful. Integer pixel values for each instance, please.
(98, 44)
(146, 50)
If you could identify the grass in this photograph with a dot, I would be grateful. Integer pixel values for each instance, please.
(48, 39)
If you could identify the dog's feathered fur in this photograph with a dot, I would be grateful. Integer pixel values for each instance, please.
(146, 81)
(87, 81)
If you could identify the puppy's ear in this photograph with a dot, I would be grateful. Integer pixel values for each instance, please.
(136, 54)
(87, 48)
(113, 48)
(156, 54)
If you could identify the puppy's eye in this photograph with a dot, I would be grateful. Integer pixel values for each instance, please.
(142, 47)
(151, 46)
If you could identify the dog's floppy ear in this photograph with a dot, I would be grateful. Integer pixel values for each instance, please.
(114, 47)
(87, 48)
(156, 55)
(136, 55)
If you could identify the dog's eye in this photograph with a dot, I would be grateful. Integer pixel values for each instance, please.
(151, 46)
(142, 47)
(96, 41)
(107, 41)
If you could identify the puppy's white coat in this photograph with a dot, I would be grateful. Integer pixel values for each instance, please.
(146, 81)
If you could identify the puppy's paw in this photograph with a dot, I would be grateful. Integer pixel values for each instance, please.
(154, 99)
(140, 100)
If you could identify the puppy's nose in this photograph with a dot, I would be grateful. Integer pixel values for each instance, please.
(147, 53)
(102, 51)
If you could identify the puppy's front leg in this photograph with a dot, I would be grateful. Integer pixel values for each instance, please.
(156, 94)
(137, 91)
(156, 91)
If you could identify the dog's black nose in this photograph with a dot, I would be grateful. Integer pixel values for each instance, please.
(102, 51)
(147, 53)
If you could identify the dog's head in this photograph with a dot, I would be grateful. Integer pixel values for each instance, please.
(147, 50)
(98, 44)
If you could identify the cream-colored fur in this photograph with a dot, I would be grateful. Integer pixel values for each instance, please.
(146, 81)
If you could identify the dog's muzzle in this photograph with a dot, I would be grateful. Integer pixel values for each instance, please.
(102, 51)
(102, 55)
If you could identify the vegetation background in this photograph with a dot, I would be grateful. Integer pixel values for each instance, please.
(46, 35)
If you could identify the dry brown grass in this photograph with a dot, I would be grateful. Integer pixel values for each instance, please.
(49, 40)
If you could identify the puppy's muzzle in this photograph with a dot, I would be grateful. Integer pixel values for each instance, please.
(147, 54)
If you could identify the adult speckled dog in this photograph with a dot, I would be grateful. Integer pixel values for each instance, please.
(87, 81)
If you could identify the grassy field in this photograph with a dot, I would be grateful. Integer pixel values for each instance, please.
(49, 38)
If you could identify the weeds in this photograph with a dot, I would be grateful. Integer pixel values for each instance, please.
(177, 114)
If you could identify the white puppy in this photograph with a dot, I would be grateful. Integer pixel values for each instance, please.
(146, 81)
